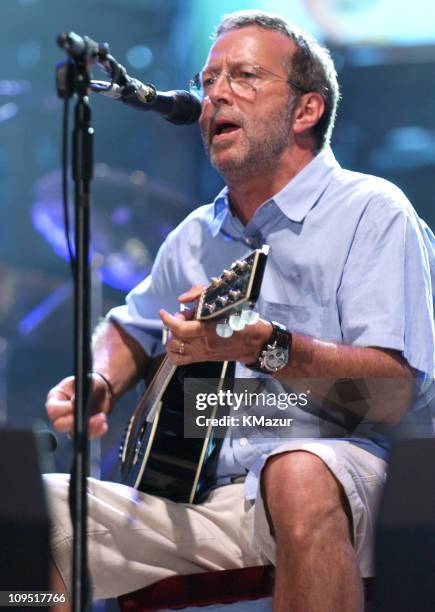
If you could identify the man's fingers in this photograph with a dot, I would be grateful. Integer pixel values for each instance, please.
(97, 424)
(57, 393)
(191, 295)
(64, 424)
(171, 322)
(58, 408)
(63, 390)
(180, 327)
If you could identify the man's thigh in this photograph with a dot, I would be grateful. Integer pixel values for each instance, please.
(137, 539)
(359, 473)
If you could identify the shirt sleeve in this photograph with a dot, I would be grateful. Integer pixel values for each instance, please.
(385, 296)
(139, 316)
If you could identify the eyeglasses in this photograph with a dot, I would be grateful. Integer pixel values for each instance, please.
(243, 79)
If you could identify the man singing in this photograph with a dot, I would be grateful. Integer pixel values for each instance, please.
(346, 296)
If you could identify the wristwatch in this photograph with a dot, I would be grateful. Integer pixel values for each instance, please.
(275, 354)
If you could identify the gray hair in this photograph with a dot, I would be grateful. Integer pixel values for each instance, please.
(311, 65)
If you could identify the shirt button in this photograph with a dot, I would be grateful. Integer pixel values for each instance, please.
(249, 241)
(243, 441)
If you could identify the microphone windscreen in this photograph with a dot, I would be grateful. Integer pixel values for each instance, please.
(186, 108)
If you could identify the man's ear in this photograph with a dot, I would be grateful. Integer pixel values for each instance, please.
(308, 111)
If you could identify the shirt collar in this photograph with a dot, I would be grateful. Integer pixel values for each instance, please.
(221, 201)
(296, 198)
(303, 191)
(221, 211)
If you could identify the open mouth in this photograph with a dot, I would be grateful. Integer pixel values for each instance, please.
(222, 127)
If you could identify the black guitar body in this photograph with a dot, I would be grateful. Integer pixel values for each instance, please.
(171, 466)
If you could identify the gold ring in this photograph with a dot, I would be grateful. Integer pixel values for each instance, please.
(181, 348)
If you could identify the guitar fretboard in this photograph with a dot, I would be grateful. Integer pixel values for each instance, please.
(159, 383)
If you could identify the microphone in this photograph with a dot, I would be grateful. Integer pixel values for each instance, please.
(177, 106)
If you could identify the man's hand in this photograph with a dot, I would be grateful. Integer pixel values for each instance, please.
(60, 406)
(192, 341)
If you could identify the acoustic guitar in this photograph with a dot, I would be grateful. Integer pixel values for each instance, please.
(155, 455)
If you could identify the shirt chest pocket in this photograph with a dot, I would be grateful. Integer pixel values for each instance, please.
(303, 319)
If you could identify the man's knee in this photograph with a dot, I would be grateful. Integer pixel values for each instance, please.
(303, 499)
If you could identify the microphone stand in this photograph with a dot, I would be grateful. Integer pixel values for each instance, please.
(73, 78)
(82, 175)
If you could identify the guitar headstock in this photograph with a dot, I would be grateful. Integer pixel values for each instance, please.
(235, 289)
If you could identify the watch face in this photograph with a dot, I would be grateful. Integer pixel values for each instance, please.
(275, 359)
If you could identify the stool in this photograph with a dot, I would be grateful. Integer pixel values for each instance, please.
(207, 588)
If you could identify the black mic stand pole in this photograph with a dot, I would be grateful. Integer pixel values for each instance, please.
(77, 80)
(82, 175)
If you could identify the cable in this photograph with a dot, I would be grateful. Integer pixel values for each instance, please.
(67, 225)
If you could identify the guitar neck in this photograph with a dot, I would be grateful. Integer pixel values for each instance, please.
(157, 386)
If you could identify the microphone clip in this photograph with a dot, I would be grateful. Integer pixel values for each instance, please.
(83, 48)
(83, 52)
(134, 89)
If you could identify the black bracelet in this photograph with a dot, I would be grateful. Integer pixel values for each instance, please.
(108, 384)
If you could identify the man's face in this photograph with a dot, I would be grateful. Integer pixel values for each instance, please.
(245, 135)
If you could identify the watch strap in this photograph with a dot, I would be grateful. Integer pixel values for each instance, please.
(279, 337)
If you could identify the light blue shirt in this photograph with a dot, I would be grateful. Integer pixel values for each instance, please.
(349, 262)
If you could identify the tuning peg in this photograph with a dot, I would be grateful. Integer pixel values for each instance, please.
(210, 307)
(223, 299)
(234, 294)
(228, 275)
(249, 316)
(241, 265)
(236, 322)
(215, 281)
(223, 330)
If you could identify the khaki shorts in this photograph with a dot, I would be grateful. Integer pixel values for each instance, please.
(136, 539)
